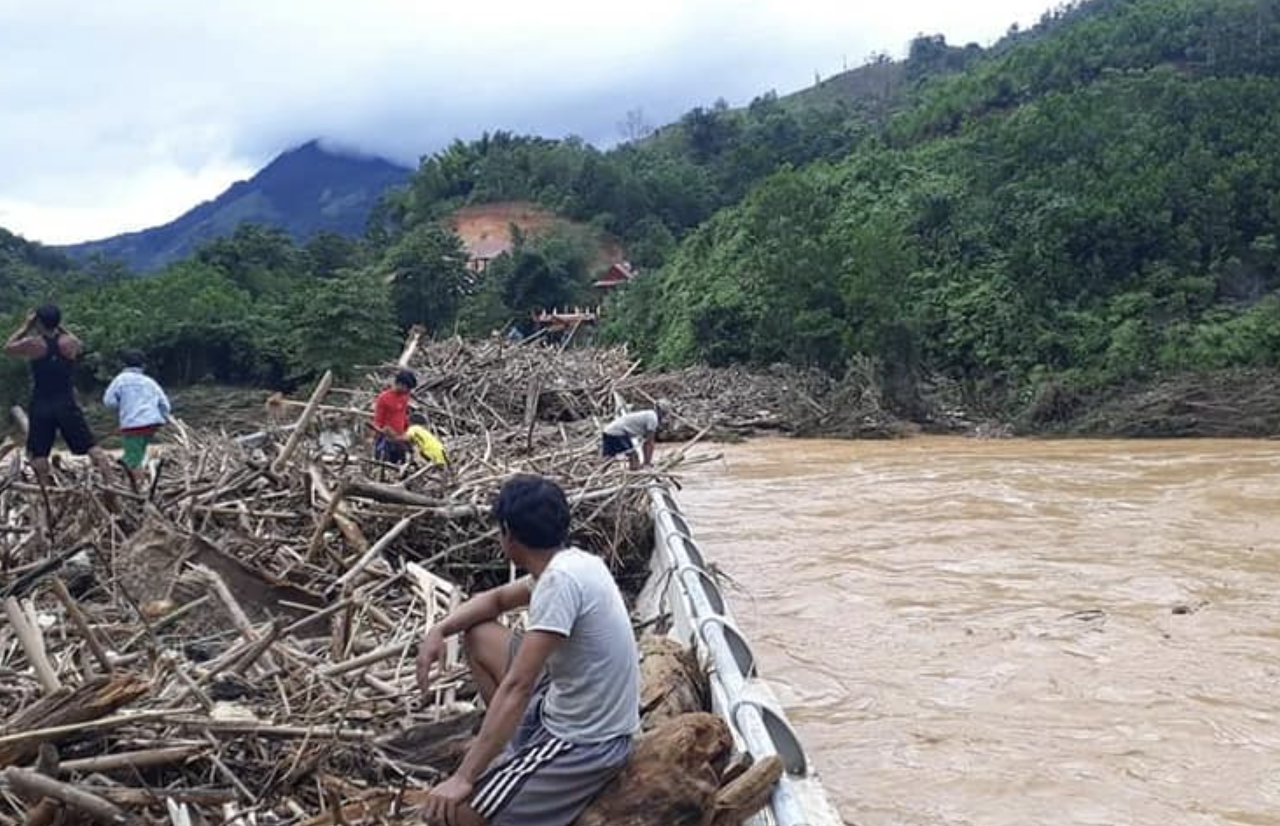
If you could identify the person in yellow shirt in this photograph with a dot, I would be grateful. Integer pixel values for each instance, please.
(424, 441)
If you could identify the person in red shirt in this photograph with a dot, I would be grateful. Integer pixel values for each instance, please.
(391, 419)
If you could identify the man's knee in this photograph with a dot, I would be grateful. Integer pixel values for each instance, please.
(486, 640)
(487, 645)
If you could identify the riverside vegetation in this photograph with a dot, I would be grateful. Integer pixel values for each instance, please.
(1086, 210)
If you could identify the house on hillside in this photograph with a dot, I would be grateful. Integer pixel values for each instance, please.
(485, 250)
(619, 273)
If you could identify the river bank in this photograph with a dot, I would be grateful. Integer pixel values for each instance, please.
(730, 403)
(736, 402)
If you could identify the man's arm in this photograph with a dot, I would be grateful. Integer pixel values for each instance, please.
(163, 402)
(483, 607)
(509, 702)
(500, 722)
(20, 341)
(111, 397)
(70, 344)
(648, 450)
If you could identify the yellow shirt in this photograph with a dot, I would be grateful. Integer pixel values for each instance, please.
(427, 445)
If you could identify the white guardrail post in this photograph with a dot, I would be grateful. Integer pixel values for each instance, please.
(728, 673)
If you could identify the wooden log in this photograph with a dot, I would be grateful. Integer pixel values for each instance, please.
(142, 758)
(304, 421)
(385, 652)
(322, 524)
(392, 494)
(253, 727)
(81, 623)
(410, 346)
(22, 585)
(399, 496)
(340, 514)
(36, 785)
(748, 793)
(136, 797)
(671, 682)
(32, 641)
(374, 552)
(258, 650)
(671, 779)
(67, 712)
(237, 613)
(452, 650)
(531, 411)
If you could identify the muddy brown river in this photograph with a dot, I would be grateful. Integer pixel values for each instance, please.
(1014, 632)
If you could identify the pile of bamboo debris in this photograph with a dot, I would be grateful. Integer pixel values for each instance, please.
(233, 642)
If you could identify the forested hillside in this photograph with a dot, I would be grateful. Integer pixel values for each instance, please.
(1095, 202)
(1087, 203)
(258, 307)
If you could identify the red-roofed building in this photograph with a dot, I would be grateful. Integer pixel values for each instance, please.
(618, 274)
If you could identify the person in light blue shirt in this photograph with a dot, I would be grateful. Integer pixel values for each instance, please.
(142, 405)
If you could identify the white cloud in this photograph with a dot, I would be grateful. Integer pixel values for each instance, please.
(155, 193)
(120, 115)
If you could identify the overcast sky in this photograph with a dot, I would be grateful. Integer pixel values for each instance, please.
(122, 114)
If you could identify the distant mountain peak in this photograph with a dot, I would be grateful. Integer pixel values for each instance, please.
(322, 149)
(315, 186)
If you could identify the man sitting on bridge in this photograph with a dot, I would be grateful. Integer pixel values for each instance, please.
(563, 699)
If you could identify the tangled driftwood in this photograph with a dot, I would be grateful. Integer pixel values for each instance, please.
(231, 642)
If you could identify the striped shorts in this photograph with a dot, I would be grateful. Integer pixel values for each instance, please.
(541, 780)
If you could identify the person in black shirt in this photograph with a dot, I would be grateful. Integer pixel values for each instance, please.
(52, 352)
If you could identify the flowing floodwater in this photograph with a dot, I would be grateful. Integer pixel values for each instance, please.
(1014, 632)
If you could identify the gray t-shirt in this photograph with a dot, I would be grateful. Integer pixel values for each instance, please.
(637, 426)
(595, 674)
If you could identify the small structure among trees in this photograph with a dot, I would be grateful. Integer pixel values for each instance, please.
(619, 273)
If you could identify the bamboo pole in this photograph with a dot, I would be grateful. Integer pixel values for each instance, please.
(341, 514)
(37, 785)
(304, 421)
(378, 547)
(410, 346)
(32, 641)
(81, 623)
(141, 759)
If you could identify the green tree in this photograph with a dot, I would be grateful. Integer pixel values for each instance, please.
(328, 253)
(548, 273)
(338, 323)
(429, 277)
(260, 259)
